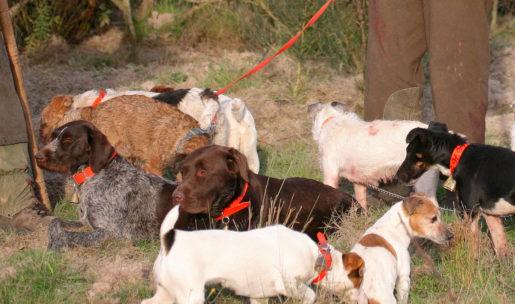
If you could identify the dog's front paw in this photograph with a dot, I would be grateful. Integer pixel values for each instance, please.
(56, 236)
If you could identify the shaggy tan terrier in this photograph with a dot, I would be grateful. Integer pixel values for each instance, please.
(147, 132)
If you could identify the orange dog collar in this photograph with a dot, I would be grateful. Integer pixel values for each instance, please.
(235, 206)
(83, 175)
(325, 252)
(456, 156)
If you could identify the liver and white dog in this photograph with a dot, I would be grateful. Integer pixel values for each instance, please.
(260, 263)
(116, 199)
(384, 248)
(484, 176)
(216, 181)
(365, 153)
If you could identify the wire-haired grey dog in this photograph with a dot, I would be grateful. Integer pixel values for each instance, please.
(116, 199)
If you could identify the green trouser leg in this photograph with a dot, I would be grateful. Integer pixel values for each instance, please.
(16, 192)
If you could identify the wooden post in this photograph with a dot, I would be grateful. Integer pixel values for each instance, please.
(12, 53)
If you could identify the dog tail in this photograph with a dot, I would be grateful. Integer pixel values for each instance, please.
(169, 221)
(167, 233)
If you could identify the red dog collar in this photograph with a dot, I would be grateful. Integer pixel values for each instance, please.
(456, 156)
(235, 206)
(83, 175)
(101, 94)
(325, 252)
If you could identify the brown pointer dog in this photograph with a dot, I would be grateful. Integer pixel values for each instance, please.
(216, 181)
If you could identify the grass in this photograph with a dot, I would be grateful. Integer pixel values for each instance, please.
(41, 277)
(66, 210)
(222, 74)
(170, 77)
(296, 159)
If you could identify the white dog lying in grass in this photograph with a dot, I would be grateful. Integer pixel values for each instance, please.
(260, 263)
(364, 153)
(234, 124)
(384, 248)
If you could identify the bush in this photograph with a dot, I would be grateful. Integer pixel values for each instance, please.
(74, 20)
(338, 37)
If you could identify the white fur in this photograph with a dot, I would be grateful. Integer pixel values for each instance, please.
(258, 264)
(385, 273)
(242, 133)
(235, 125)
(87, 98)
(365, 153)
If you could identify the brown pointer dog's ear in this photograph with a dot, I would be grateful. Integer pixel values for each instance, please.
(101, 149)
(237, 163)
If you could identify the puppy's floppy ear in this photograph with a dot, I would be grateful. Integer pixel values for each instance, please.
(412, 202)
(101, 149)
(237, 163)
(420, 133)
(339, 106)
(437, 126)
(355, 267)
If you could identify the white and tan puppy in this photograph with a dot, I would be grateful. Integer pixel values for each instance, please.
(384, 248)
(258, 264)
(364, 153)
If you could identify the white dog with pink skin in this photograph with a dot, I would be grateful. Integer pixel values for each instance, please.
(364, 153)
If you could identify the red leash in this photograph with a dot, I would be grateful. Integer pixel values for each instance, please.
(286, 46)
(101, 94)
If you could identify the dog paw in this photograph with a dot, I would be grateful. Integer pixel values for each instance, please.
(56, 236)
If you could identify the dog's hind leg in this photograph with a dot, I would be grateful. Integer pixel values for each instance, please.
(497, 233)
(59, 238)
(361, 195)
(474, 234)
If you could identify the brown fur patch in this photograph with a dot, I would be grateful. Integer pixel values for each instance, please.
(418, 207)
(139, 127)
(52, 114)
(375, 240)
(354, 265)
(373, 301)
(161, 89)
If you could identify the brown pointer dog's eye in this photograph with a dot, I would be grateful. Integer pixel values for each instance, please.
(201, 172)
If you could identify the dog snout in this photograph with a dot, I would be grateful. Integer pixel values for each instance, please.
(178, 197)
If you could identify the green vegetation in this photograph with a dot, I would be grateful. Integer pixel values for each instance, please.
(41, 277)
